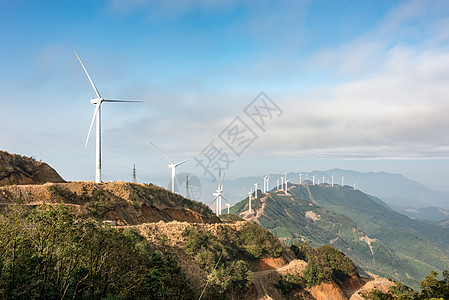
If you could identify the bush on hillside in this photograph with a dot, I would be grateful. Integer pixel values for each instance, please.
(52, 254)
(324, 264)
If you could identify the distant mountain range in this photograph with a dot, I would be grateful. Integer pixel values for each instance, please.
(398, 192)
(379, 239)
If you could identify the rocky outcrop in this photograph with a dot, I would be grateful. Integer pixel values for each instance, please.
(18, 170)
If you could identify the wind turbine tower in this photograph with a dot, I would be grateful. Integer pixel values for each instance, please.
(282, 183)
(313, 177)
(342, 181)
(173, 166)
(255, 189)
(277, 184)
(300, 178)
(97, 119)
(354, 186)
(249, 200)
(333, 179)
(228, 205)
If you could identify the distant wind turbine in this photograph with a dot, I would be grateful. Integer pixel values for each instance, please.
(173, 166)
(286, 186)
(219, 193)
(97, 118)
(266, 180)
(342, 181)
(313, 179)
(228, 205)
(277, 184)
(333, 179)
(300, 178)
(255, 189)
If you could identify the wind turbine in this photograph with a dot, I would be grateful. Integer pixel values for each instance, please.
(266, 180)
(342, 181)
(300, 178)
(173, 166)
(97, 118)
(249, 200)
(219, 194)
(277, 185)
(282, 182)
(355, 186)
(228, 206)
(255, 189)
(313, 179)
(286, 186)
(333, 179)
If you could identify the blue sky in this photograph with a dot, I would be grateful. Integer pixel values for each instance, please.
(363, 85)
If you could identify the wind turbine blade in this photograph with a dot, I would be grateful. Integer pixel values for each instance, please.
(222, 180)
(164, 155)
(213, 201)
(122, 101)
(97, 108)
(184, 161)
(88, 76)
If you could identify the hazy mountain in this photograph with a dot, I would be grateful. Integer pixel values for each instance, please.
(379, 239)
(393, 190)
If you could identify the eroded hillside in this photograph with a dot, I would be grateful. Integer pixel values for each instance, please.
(17, 169)
(120, 202)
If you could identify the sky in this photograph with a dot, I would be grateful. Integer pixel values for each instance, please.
(264, 86)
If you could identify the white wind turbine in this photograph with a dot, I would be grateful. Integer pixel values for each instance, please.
(342, 181)
(300, 178)
(255, 189)
(266, 180)
(277, 184)
(333, 179)
(97, 118)
(219, 195)
(286, 185)
(173, 166)
(313, 182)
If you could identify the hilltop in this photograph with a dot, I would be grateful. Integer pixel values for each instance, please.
(17, 169)
(123, 203)
(378, 239)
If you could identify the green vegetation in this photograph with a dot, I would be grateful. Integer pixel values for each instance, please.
(227, 255)
(290, 282)
(375, 237)
(432, 288)
(49, 253)
(324, 264)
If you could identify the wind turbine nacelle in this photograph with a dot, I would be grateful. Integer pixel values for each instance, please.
(171, 166)
(95, 100)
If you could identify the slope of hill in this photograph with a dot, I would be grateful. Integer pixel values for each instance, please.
(17, 169)
(121, 202)
(377, 238)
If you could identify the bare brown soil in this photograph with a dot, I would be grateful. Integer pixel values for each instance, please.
(17, 169)
(121, 202)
